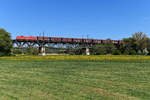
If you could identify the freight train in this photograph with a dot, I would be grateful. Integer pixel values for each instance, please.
(70, 40)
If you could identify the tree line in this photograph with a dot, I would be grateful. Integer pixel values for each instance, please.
(137, 44)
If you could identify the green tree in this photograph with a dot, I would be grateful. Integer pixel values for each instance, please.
(140, 40)
(98, 50)
(5, 43)
(129, 45)
(137, 43)
(148, 45)
(32, 51)
(102, 49)
(110, 48)
(139, 36)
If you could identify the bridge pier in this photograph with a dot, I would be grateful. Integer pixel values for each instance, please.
(42, 51)
(87, 51)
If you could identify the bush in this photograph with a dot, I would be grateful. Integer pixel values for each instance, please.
(117, 52)
(132, 52)
(100, 53)
(126, 52)
(17, 51)
(32, 51)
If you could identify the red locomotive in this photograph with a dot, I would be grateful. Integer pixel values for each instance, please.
(26, 38)
(74, 40)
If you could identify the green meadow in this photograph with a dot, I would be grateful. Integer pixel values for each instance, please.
(53, 79)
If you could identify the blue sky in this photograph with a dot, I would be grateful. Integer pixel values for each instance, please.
(101, 19)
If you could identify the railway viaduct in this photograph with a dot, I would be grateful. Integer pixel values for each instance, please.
(56, 42)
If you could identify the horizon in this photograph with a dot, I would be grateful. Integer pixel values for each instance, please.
(75, 18)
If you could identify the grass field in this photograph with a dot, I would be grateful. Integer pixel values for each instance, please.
(54, 79)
